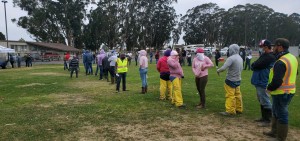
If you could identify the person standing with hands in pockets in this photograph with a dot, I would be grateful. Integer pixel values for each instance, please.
(200, 66)
(282, 88)
(176, 75)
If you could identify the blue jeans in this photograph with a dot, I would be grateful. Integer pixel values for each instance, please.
(88, 68)
(263, 97)
(100, 68)
(280, 107)
(143, 74)
(66, 65)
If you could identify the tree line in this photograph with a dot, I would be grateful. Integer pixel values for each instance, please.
(140, 23)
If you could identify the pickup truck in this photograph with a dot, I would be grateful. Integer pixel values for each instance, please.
(50, 56)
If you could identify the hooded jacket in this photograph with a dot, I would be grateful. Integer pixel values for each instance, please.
(101, 56)
(162, 65)
(143, 60)
(174, 67)
(234, 64)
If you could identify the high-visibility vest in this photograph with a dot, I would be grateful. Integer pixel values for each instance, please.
(288, 85)
(122, 65)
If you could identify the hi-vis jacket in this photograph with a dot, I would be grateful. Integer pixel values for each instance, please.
(122, 65)
(288, 85)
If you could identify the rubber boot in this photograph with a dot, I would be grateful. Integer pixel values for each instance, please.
(143, 90)
(282, 130)
(273, 131)
(262, 115)
(267, 115)
(112, 80)
(146, 89)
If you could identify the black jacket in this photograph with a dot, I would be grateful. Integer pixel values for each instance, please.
(263, 61)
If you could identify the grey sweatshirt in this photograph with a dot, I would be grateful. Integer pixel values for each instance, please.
(234, 63)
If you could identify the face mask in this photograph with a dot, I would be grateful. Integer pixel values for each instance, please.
(200, 56)
(261, 50)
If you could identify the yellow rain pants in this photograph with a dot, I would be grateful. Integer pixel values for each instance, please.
(165, 86)
(233, 101)
(177, 95)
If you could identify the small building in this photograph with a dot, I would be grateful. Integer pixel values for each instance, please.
(24, 47)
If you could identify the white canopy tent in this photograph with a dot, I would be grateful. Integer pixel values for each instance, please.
(6, 50)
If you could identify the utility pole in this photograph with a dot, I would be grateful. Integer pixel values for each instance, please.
(4, 1)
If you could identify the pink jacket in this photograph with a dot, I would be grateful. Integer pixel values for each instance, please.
(200, 68)
(174, 67)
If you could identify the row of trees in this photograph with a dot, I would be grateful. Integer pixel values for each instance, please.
(242, 24)
(141, 23)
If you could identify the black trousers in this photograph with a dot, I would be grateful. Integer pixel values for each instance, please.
(72, 70)
(201, 84)
(121, 77)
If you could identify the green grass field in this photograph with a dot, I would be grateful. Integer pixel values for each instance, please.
(44, 103)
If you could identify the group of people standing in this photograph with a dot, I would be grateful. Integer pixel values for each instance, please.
(274, 74)
(171, 75)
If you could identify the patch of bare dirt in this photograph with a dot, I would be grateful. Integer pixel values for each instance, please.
(205, 128)
(30, 85)
(48, 74)
(72, 99)
(94, 87)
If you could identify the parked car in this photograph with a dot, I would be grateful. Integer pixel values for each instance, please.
(50, 56)
(223, 51)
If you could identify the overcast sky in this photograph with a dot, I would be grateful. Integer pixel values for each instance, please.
(15, 32)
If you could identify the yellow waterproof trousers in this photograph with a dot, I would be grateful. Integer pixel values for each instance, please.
(165, 86)
(234, 102)
(177, 95)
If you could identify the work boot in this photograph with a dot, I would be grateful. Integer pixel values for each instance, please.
(273, 131)
(146, 89)
(268, 114)
(112, 80)
(282, 131)
(262, 115)
(143, 90)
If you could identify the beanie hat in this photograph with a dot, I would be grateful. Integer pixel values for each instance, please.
(174, 53)
(282, 42)
(200, 50)
(167, 52)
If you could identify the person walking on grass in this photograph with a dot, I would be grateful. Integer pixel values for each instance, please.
(100, 66)
(200, 66)
(261, 69)
(217, 57)
(189, 58)
(19, 59)
(105, 65)
(282, 88)
(74, 66)
(165, 85)
(156, 56)
(234, 64)
(143, 70)
(176, 75)
(248, 58)
(112, 63)
(122, 68)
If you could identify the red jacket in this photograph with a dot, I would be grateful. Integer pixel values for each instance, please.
(162, 65)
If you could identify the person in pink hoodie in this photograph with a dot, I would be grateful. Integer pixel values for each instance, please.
(176, 74)
(200, 66)
(143, 60)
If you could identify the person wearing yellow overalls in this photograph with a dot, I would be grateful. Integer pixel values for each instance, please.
(234, 64)
(176, 75)
(122, 68)
(282, 87)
